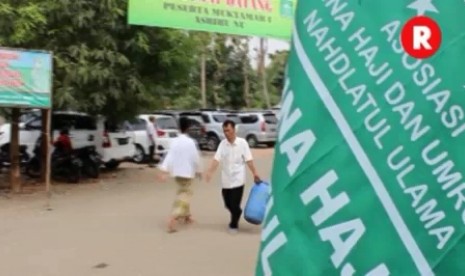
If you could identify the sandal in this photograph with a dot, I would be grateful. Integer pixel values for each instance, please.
(171, 230)
(171, 226)
(189, 220)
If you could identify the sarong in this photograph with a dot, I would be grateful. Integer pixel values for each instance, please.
(181, 206)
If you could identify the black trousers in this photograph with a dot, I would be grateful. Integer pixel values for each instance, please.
(232, 201)
(151, 154)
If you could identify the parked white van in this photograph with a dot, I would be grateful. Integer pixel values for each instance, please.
(166, 130)
(4, 133)
(114, 146)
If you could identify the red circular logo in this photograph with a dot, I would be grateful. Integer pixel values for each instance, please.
(421, 37)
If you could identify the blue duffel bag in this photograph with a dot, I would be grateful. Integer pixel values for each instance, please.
(255, 208)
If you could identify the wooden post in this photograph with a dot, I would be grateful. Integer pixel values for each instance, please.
(245, 72)
(15, 175)
(45, 158)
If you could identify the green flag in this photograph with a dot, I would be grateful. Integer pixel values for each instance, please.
(371, 148)
(450, 17)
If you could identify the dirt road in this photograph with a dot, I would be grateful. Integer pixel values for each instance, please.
(117, 227)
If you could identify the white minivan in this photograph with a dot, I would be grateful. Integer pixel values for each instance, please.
(166, 130)
(117, 144)
(114, 146)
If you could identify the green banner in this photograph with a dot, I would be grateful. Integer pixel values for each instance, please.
(25, 78)
(372, 144)
(265, 18)
(450, 17)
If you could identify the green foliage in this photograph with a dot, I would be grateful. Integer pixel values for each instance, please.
(103, 65)
(276, 75)
(19, 21)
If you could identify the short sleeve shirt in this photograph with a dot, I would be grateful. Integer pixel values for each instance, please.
(233, 158)
(150, 132)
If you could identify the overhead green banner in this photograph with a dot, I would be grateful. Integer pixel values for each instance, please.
(372, 145)
(25, 78)
(265, 18)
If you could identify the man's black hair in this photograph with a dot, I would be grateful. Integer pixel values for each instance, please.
(229, 123)
(184, 124)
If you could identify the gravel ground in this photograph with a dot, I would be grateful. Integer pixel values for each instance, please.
(116, 226)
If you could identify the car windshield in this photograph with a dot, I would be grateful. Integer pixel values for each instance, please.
(194, 122)
(234, 118)
(136, 124)
(166, 123)
(29, 116)
(112, 126)
(220, 118)
(195, 118)
(270, 119)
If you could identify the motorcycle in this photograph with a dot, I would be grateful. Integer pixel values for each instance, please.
(91, 161)
(5, 157)
(63, 165)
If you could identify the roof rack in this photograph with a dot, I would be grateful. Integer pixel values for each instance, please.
(165, 112)
(215, 110)
(251, 110)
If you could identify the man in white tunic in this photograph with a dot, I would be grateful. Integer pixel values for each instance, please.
(233, 153)
(183, 163)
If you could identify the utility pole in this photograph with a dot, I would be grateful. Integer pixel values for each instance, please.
(203, 80)
(244, 47)
(262, 69)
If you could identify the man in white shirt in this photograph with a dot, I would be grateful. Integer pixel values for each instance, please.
(183, 163)
(233, 153)
(151, 135)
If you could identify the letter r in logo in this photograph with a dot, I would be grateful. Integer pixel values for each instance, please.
(421, 37)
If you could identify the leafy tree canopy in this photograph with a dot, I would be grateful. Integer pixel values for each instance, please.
(102, 65)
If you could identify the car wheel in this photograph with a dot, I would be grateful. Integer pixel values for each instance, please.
(252, 141)
(270, 144)
(112, 165)
(212, 143)
(139, 155)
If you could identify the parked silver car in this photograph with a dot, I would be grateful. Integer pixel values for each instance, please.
(258, 127)
(213, 121)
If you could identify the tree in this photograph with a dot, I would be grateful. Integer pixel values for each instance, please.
(204, 43)
(241, 45)
(20, 21)
(276, 74)
(262, 71)
(101, 64)
(220, 57)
